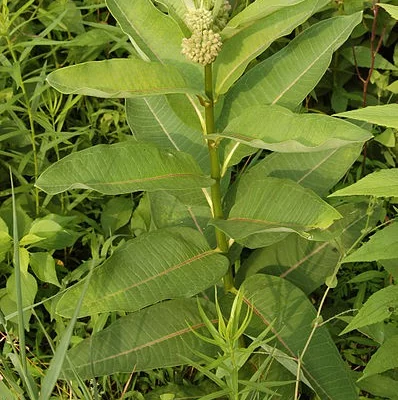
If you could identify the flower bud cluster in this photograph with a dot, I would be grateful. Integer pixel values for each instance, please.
(199, 19)
(205, 43)
(202, 47)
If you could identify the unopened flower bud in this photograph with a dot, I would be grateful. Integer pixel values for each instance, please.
(199, 19)
(202, 47)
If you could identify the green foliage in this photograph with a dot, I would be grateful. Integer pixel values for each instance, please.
(122, 212)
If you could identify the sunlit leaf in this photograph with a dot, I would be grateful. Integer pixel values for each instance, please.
(253, 12)
(123, 168)
(121, 78)
(256, 38)
(384, 115)
(275, 205)
(391, 9)
(291, 133)
(289, 75)
(383, 245)
(153, 32)
(383, 183)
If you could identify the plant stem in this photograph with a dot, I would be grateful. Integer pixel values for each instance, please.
(215, 171)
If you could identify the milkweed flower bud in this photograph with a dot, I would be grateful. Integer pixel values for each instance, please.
(202, 47)
(199, 19)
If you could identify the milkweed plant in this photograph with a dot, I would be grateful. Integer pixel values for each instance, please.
(235, 175)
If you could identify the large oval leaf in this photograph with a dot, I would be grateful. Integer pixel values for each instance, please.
(277, 301)
(307, 263)
(384, 115)
(302, 262)
(156, 337)
(318, 171)
(153, 120)
(383, 183)
(253, 12)
(121, 78)
(153, 32)
(163, 264)
(288, 132)
(380, 306)
(123, 168)
(256, 38)
(383, 245)
(275, 205)
(289, 75)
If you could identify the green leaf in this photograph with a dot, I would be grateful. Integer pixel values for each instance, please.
(256, 38)
(292, 133)
(43, 266)
(275, 205)
(318, 171)
(304, 263)
(123, 168)
(380, 385)
(387, 138)
(385, 115)
(393, 87)
(348, 229)
(163, 264)
(116, 214)
(5, 240)
(288, 76)
(363, 58)
(383, 245)
(6, 392)
(156, 34)
(153, 120)
(391, 9)
(121, 78)
(275, 299)
(377, 308)
(253, 12)
(307, 263)
(8, 303)
(178, 7)
(385, 358)
(51, 233)
(156, 337)
(383, 183)
(167, 211)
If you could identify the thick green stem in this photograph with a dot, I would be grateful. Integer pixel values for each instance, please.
(215, 171)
